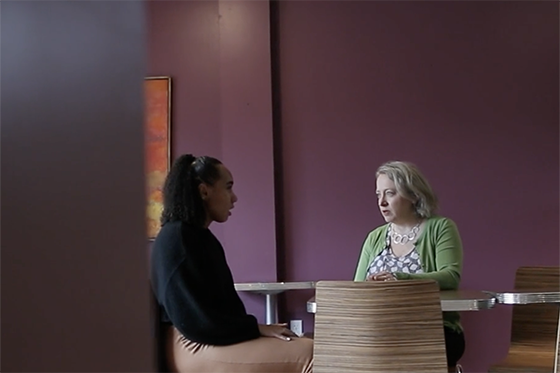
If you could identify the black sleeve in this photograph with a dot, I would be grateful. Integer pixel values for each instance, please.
(197, 319)
(199, 296)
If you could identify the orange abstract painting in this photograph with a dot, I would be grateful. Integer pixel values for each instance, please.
(157, 132)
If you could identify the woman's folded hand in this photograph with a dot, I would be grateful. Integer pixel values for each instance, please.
(382, 276)
(279, 331)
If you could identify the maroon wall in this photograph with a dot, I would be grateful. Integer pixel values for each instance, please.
(74, 284)
(246, 120)
(218, 55)
(467, 90)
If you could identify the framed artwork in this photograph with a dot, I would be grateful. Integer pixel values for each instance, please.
(157, 132)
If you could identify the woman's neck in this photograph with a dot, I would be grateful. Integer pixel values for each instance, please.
(405, 225)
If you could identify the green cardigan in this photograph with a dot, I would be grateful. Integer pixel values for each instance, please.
(441, 255)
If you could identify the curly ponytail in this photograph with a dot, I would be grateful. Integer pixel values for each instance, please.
(181, 197)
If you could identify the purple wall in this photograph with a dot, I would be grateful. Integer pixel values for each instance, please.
(218, 54)
(246, 120)
(467, 90)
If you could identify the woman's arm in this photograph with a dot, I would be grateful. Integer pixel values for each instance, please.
(190, 307)
(195, 288)
(368, 248)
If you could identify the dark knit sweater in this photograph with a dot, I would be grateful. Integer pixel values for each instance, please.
(194, 287)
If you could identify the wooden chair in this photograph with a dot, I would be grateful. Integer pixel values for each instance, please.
(393, 326)
(534, 327)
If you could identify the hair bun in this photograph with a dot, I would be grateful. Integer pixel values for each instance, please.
(186, 159)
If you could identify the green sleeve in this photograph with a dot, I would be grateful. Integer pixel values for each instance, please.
(445, 243)
(367, 254)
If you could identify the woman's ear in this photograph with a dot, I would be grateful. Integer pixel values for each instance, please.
(414, 202)
(203, 190)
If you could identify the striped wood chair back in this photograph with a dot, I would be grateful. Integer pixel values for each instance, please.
(393, 326)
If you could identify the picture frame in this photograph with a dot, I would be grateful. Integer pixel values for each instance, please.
(157, 132)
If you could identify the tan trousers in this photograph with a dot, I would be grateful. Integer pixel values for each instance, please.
(262, 355)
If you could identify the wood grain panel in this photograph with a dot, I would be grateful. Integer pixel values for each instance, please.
(534, 328)
(378, 327)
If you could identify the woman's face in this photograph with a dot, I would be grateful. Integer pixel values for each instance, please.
(393, 206)
(219, 198)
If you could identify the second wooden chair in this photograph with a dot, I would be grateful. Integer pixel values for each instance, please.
(534, 327)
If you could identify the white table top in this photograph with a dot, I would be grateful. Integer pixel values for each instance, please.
(451, 300)
(273, 287)
(526, 296)
(466, 300)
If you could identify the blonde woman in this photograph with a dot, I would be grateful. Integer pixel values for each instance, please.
(415, 243)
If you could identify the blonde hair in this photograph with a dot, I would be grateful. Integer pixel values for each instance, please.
(412, 185)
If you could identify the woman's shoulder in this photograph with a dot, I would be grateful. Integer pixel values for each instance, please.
(438, 221)
(377, 233)
(174, 235)
(169, 231)
(167, 249)
(441, 225)
(181, 226)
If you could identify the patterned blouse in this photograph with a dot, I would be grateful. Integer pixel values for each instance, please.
(387, 261)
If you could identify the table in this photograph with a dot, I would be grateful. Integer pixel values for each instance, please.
(466, 300)
(526, 296)
(270, 291)
(451, 300)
